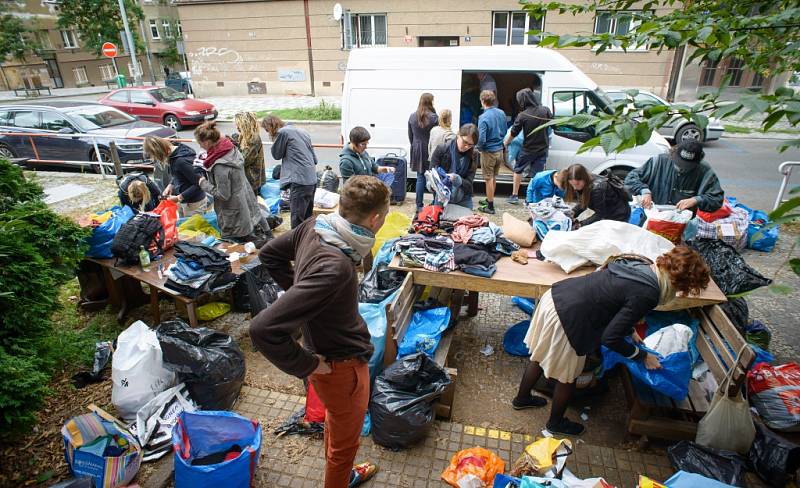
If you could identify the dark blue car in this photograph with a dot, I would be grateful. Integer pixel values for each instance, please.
(81, 119)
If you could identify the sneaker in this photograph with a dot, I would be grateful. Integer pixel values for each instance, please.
(486, 209)
(530, 402)
(566, 427)
(483, 202)
(361, 473)
(513, 200)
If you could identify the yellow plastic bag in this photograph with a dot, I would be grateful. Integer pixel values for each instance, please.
(544, 457)
(396, 225)
(196, 223)
(470, 464)
(645, 482)
(101, 218)
(212, 310)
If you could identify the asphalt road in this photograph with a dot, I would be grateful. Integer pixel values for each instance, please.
(747, 168)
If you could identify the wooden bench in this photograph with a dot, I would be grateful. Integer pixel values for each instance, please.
(656, 415)
(398, 318)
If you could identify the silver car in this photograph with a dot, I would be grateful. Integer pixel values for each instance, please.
(678, 129)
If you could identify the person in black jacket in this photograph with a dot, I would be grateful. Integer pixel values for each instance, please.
(535, 146)
(605, 197)
(462, 173)
(185, 185)
(138, 192)
(578, 315)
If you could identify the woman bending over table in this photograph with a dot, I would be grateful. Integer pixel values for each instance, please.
(607, 198)
(578, 315)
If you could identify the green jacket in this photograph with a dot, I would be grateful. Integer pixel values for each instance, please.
(667, 186)
(351, 164)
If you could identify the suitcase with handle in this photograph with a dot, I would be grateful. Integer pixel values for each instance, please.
(400, 166)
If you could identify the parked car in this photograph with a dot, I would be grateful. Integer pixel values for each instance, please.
(678, 129)
(161, 105)
(180, 81)
(74, 117)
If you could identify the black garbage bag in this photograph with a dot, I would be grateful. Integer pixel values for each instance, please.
(724, 466)
(296, 425)
(102, 354)
(379, 283)
(738, 312)
(729, 270)
(328, 180)
(401, 406)
(772, 457)
(209, 362)
(262, 290)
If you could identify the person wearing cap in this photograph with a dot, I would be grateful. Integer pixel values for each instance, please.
(680, 177)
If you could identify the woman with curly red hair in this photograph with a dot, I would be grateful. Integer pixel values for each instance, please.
(578, 315)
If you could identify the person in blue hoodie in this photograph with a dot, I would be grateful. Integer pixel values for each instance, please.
(546, 184)
(492, 128)
(355, 160)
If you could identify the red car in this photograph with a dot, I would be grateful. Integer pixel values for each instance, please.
(161, 105)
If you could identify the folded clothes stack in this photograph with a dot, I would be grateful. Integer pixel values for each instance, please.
(432, 253)
(198, 269)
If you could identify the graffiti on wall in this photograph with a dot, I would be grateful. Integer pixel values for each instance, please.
(212, 60)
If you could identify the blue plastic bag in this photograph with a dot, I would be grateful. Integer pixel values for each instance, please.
(103, 235)
(366, 427)
(374, 315)
(766, 241)
(762, 356)
(424, 332)
(506, 481)
(271, 193)
(637, 217)
(525, 304)
(682, 479)
(672, 379)
(199, 434)
(659, 320)
(514, 337)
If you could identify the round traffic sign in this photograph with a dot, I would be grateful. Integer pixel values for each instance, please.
(109, 49)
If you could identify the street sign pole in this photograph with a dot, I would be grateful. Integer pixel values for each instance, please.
(137, 76)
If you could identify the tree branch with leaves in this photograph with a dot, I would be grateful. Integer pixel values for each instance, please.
(99, 21)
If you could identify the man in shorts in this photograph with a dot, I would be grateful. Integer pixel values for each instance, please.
(535, 146)
(491, 130)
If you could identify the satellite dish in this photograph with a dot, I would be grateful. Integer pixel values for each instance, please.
(337, 12)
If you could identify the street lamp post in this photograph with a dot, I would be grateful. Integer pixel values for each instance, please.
(137, 77)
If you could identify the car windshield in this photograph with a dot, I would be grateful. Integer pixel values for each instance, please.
(166, 95)
(91, 117)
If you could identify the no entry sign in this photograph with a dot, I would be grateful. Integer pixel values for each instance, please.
(109, 49)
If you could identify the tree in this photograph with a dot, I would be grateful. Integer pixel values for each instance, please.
(99, 21)
(765, 36)
(12, 35)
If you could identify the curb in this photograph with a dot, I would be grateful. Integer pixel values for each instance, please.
(52, 97)
(757, 135)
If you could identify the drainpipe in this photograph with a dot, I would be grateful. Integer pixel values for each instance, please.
(676, 75)
(147, 51)
(308, 42)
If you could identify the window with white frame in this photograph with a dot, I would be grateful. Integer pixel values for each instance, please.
(154, 30)
(179, 28)
(167, 28)
(69, 39)
(364, 30)
(80, 75)
(618, 22)
(107, 72)
(511, 28)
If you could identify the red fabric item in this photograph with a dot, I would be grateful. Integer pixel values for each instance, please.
(462, 230)
(672, 231)
(168, 213)
(315, 410)
(641, 328)
(222, 148)
(775, 392)
(724, 211)
(427, 221)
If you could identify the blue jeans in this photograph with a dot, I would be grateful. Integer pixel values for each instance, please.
(420, 189)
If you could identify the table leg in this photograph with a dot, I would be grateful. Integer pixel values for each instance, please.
(154, 308)
(191, 311)
(456, 300)
(472, 304)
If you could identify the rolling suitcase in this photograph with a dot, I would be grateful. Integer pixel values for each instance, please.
(400, 166)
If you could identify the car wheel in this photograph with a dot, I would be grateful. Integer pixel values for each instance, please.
(105, 156)
(689, 132)
(6, 152)
(172, 122)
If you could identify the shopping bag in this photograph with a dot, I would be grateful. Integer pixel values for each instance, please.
(212, 310)
(168, 213)
(544, 457)
(672, 379)
(424, 332)
(775, 392)
(155, 420)
(731, 229)
(195, 224)
(395, 225)
(473, 467)
(758, 237)
(669, 224)
(727, 424)
(103, 235)
(315, 410)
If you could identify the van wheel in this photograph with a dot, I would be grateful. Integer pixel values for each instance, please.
(689, 132)
(173, 123)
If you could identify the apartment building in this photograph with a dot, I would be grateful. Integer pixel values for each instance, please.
(161, 29)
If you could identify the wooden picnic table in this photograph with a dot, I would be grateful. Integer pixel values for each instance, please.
(123, 283)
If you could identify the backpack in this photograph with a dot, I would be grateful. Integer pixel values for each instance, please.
(140, 231)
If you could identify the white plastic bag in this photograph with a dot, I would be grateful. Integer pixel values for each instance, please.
(137, 372)
(670, 339)
(154, 421)
(325, 199)
(597, 242)
(728, 424)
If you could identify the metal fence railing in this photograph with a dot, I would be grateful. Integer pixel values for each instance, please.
(786, 170)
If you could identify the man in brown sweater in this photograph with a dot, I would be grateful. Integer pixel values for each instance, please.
(321, 300)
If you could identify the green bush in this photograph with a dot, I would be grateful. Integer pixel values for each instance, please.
(39, 251)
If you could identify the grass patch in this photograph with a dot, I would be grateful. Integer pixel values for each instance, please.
(735, 129)
(323, 111)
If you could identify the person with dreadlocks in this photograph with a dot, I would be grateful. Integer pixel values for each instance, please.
(248, 140)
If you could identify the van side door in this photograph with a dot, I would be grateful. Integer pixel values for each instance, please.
(566, 102)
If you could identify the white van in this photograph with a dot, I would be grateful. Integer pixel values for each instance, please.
(382, 88)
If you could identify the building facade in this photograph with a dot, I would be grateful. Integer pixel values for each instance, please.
(161, 29)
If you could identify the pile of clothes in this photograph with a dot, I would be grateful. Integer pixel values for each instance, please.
(427, 220)
(198, 269)
(550, 214)
(431, 253)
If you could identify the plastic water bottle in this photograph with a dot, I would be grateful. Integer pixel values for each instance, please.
(144, 259)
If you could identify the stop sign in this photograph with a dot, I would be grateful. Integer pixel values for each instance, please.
(109, 49)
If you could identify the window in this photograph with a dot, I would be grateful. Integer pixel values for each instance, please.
(90, 117)
(43, 38)
(569, 103)
(167, 28)
(364, 30)
(80, 75)
(757, 81)
(179, 28)
(26, 119)
(511, 28)
(708, 73)
(141, 97)
(5, 118)
(120, 96)
(643, 100)
(618, 22)
(107, 72)
(69, 39)
(54, 121)
(154, 29)
(734, 71)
